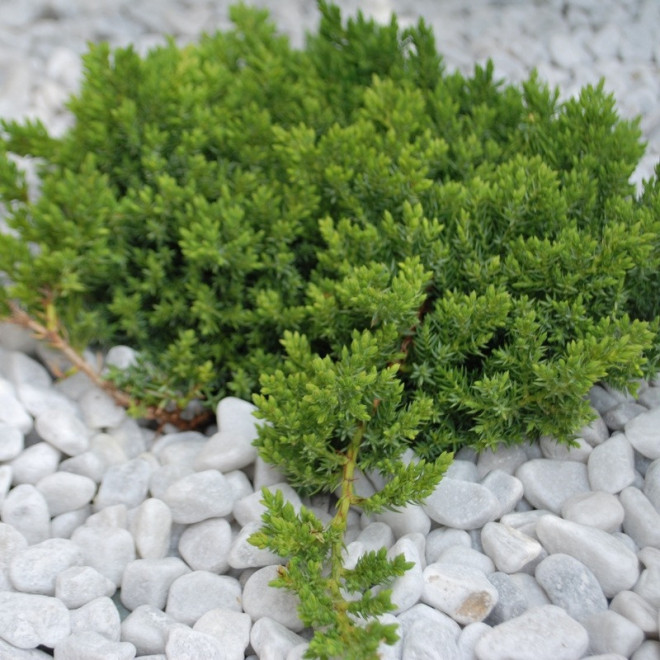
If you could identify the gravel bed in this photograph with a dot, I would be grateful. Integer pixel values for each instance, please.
(117, 543)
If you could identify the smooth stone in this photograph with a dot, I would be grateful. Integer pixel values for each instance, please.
(461, 504)
(231, 628)
(636, 609)
(507, 489)
(271, 639)
(100, 616)
(410, 519)
(199, 496)
(602, 400)
(262, 600)
(236, 416)
(466, 556)
(376, 535)
(648, 650)
(194, 594)
(509, 549)
(542, 633)
(11, 441)
(115, 515)
(13, 414)
(532, 590)
(107, 549)
(242, 554)
(29, 620)
(147, 628)
(571, 585)
(615, 566)
(511, 600)
(65, 491)
(88, 464)
(12, 543)
(239, 483)
(461, 592)
(463, 470)
(642, 433)
(78, 585)
(597, 509)
(99, 410)
(152, 528)
(595, 432)
(21, 368)
(63, 430)
(9, 652)
(126, 483)
(425, 630)
(524, 521)
(469, 637)
(26, 510)
(616, 418)
(5, 482)
(505, 458)
(642, 520)
(611, 465)
(442, 538)
(551, 448)
(205, 545)
(118, 356)
(609, 632)
(163, 477)
(250, 508)
(226, 451)
(34, 463)
(407, 588)
(649, 557)
(179, 448)
(90, 645)
(147, 581)
(651, 486)
(109, 449)
(648, 585)
(39, 400)
(184, 643)
(549, 483)
(36, 568)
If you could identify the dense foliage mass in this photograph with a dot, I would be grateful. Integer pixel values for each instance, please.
(209, 198)
(384, 254)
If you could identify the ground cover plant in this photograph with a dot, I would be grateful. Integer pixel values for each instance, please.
(388, 257)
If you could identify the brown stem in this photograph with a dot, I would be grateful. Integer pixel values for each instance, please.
(54, 338)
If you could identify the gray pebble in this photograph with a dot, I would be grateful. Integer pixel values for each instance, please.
(147, 628)
(642, 433)
(571, 586)
(461, 592)
(91, 645)
(549, 483)
(194, 594)
(511, 600)
(262, 600)
(147, 581)
(642, 520)
(609, 632)
(614, 565)
(65, 491)
(597, 509)
(100, 615)
(36, 568)
(611, 465)
(26, 509)
(199, 496)
(78, 585)
(509, 549)
(461, 504)
(28, 620)
(152, 526)
(107, 549)
(205, 545)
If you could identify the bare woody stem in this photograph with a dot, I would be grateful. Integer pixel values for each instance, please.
(51, 334)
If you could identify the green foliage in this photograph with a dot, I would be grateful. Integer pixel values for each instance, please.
(387, 255)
